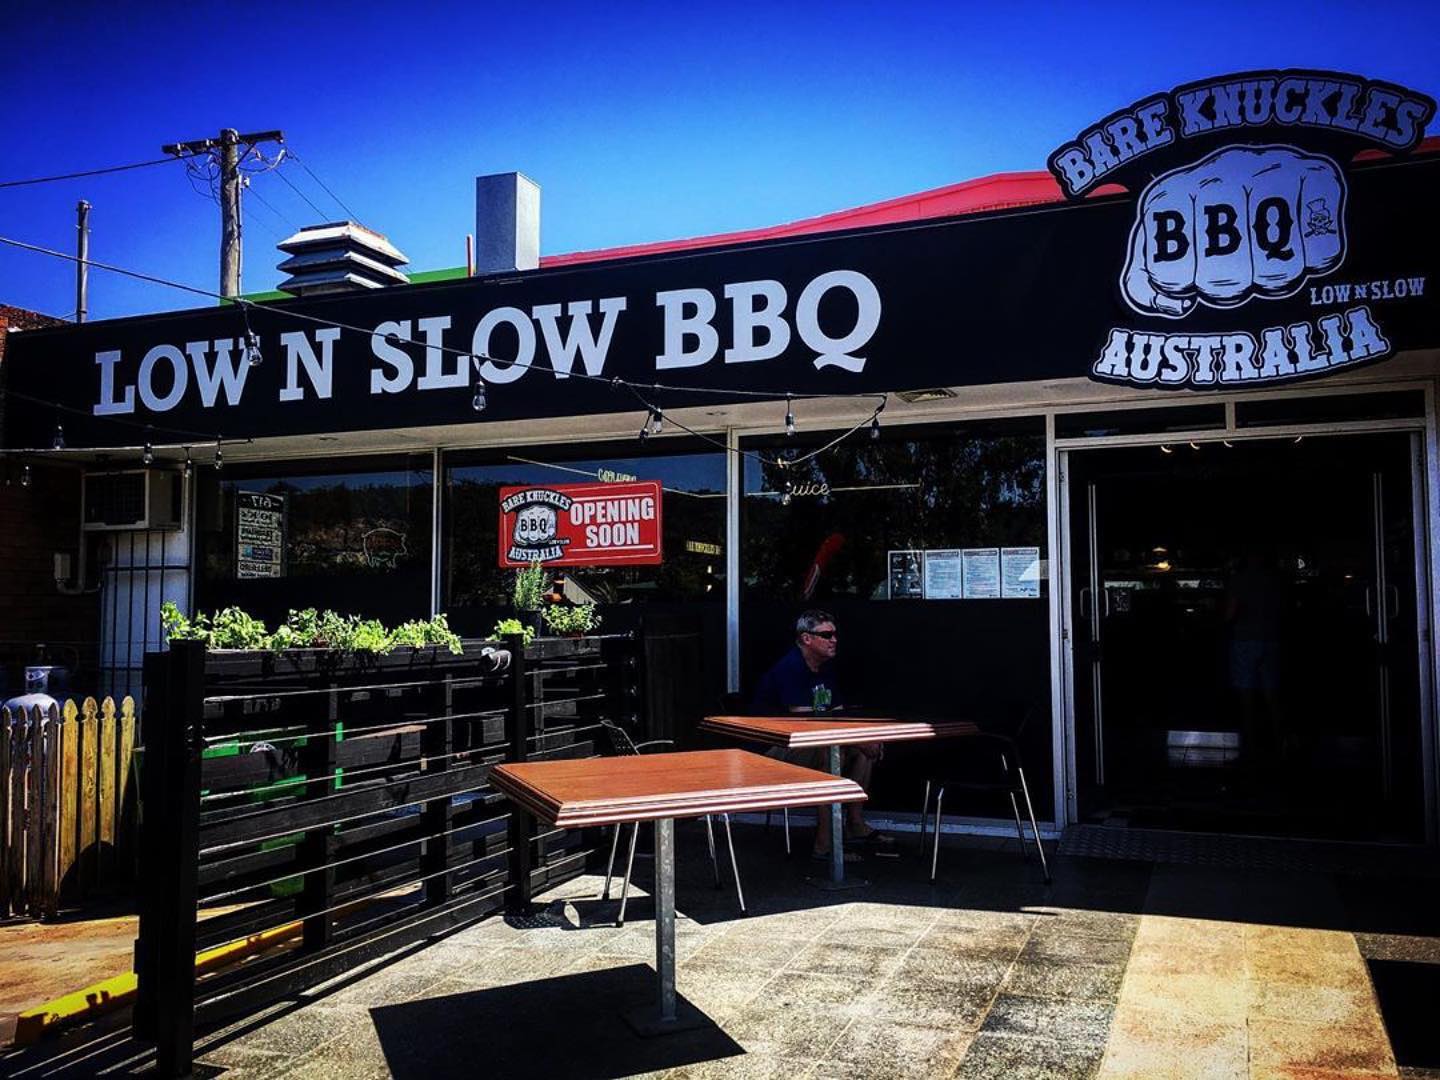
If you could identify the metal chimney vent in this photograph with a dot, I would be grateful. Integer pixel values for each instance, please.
(339, 256)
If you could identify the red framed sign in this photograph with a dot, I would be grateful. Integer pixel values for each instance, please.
(581, 524)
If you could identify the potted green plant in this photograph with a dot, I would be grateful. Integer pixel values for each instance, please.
(506, 627)
(529, 593)
(571, 621)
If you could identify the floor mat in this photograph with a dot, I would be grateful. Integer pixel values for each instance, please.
(1246, 852)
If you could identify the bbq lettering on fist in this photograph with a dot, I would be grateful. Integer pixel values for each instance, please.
(1243, 222)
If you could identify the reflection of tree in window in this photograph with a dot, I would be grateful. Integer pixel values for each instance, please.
(959, 488)
(349, 527)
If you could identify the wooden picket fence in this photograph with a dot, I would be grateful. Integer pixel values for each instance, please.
(67, 804)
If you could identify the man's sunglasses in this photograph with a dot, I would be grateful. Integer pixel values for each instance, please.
(828, 635)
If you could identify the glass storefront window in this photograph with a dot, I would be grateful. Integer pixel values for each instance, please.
(477, 589)
(853, 539)
(911, 491)
(298, 535)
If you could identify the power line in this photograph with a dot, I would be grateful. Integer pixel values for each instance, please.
(339, 201)
(286, 218)
(281, 174)
(87, 172)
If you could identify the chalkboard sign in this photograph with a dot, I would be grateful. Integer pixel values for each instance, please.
(259, 535)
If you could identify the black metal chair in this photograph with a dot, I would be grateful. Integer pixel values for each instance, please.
(1011, 780)
(624, 745)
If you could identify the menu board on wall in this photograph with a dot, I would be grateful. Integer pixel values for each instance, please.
(942, 574)
(259, 535)
(1020, 573)
(907, 575)
(980, 568)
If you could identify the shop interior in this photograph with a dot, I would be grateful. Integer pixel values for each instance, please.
(1246, 652)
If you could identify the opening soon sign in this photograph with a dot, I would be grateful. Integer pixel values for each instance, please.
(616, 524)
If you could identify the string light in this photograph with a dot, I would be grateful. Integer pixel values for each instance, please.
(657, 421)
(58, 443)
(25, 476)
(252, 339)
(875, 422)
(188, 464)
(147, 457)
(219, 457)
(479, 401)
(785, 498)
(252, 347)
(789, 416)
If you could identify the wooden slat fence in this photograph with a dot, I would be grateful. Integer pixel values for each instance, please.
(338, 807)
(67, 804)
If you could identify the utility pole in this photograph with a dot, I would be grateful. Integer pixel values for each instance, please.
(229, 149)
(82, 264)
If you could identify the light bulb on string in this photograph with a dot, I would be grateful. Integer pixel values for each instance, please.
(58, 443)
(875, 426)
(219, 457)
(789, 416)
(785, 498)
(657, 421)
(188, 463)
(644, 430)
(25, 475)
(479, 401)
(252, 339)
(147, 456)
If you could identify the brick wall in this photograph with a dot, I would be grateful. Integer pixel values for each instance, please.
(35, 522)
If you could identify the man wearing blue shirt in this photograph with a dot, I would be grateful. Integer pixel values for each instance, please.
(804, 680)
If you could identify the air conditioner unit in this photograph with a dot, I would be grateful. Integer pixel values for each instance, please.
(130, 499)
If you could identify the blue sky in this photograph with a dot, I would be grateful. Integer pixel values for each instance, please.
(640, 122)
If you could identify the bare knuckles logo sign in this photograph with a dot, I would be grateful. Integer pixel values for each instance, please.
(604, 524)
(1246, 201)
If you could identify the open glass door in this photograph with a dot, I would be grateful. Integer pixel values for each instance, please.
(1245, 650)
(1087, 628)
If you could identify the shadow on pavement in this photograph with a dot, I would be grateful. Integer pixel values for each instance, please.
(560, 1028)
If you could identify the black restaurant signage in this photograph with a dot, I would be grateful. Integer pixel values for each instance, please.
(1251, 248)
(1243, 198)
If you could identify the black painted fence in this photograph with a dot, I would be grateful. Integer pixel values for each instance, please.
(313, 811)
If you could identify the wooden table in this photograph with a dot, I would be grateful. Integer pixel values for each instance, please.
(661, 788)
(793, 732)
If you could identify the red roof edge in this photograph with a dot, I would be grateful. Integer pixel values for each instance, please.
(1002, 191)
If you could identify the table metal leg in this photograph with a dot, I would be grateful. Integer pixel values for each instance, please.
(837, 878)
(665, 915)
(671, 1015)
(837, 827)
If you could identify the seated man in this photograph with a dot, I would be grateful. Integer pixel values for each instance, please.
(804, 680)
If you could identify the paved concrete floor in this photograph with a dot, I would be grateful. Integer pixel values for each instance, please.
(1118, 969)
(42, 961)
